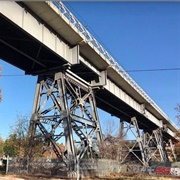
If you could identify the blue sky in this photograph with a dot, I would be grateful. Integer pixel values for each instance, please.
(139, 35)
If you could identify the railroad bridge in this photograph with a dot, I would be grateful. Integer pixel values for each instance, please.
(76, 75)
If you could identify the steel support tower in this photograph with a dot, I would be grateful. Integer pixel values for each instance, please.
(65, 110)
(65, 107)
(145, 146)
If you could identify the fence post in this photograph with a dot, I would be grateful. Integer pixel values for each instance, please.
(27, 164)
(7, 164)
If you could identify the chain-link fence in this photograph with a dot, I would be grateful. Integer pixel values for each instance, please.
(87, 167)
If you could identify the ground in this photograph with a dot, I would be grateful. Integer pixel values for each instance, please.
(110, 177)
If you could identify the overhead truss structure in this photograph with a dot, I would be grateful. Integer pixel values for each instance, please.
(65, 109)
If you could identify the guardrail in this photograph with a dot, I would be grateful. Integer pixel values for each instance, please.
(97, 46)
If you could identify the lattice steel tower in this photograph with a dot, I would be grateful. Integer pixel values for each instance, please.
(65, 107)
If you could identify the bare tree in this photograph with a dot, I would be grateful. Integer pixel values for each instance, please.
(110, 145)
(19, 140)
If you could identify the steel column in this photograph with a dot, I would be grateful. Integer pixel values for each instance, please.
(36, 105)
(121, 127)
(139, 140)
(171, 151)
(63, 101)
(160, 144)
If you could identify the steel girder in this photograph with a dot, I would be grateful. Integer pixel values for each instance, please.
(65, 109)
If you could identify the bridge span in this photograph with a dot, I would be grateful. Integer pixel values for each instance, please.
(73, 69)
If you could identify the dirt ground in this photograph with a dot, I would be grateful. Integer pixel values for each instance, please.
(110, 177)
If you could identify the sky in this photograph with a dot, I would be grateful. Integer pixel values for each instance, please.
(139, 35)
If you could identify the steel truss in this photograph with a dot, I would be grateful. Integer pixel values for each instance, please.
(145, 147)
(171, 151)
(64, 107)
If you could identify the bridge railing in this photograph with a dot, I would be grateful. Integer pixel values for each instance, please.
(98, 47)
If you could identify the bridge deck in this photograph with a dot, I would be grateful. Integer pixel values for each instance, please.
(32, 53)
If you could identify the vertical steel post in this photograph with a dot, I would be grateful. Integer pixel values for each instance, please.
(139, 140)
(95, 117)
(36, 106)
(160, 144)
(121, 127)
(147, 143)
(71, 155)
(172, 149)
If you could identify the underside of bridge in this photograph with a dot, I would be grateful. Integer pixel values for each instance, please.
(65, 104)
(23, 51)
